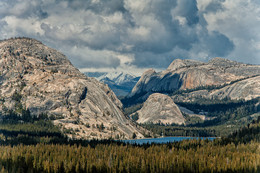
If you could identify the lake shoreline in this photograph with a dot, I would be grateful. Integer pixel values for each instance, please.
(177, 137)
(163, 140)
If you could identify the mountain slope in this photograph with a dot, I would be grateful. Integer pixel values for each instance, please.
(120, 82)
(243, 89)
(159, 108)
(42, 80)
(118, 77)
(192, 75)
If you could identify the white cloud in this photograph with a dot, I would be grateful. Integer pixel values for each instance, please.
(116, 18)
(137, 34)
(16, 25)
(238, 21)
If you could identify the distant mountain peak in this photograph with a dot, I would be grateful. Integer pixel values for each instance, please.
(120, 82)
(118, 77)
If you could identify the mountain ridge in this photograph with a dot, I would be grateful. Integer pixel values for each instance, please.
(191, 74)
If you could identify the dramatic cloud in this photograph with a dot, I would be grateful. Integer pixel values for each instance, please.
(136, 34)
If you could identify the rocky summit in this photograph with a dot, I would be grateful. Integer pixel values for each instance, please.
(225, 78)
(159, 109)
(42, 80)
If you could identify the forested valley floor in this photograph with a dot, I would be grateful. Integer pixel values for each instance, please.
(51, 152)
(186, 156)
(38, 146)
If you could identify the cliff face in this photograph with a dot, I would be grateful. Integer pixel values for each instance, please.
(44, 81)
(159, 108)
(191, 74)
(244, 89)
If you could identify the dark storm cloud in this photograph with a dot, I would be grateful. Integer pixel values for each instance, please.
(148, 59)
(144, 33)
(103, 6)
(219, 45)
(214, 6)
(189, 10)
(108, 61)
(22, 9)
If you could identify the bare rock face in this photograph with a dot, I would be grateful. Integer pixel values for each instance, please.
(191, 74)
(159, 108)
(246, 89)
(44, 81)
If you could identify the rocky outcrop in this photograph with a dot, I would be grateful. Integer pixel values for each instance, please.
(244, 89)
(159, 108)
(44, 81)
(191, 74)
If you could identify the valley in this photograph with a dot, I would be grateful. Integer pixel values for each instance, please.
(48, 106)
(211, 106)
(189, 98)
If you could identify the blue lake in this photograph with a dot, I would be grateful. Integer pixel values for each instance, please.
(163, 140)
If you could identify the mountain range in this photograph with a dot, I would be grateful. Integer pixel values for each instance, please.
(187, 79)
(41, 80)
(121, 83)
(219, 92)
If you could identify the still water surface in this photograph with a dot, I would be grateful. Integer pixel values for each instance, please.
(163, 140)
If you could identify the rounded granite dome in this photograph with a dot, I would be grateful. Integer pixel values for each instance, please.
(160, 108)
(47, 82)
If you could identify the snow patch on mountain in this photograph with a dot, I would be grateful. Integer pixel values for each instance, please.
(118, 77)
(120, 82)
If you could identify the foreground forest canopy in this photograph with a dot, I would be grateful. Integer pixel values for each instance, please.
(186, 156)
(29, 141)
(52, 152)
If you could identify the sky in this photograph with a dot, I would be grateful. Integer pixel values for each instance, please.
(133, 35)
